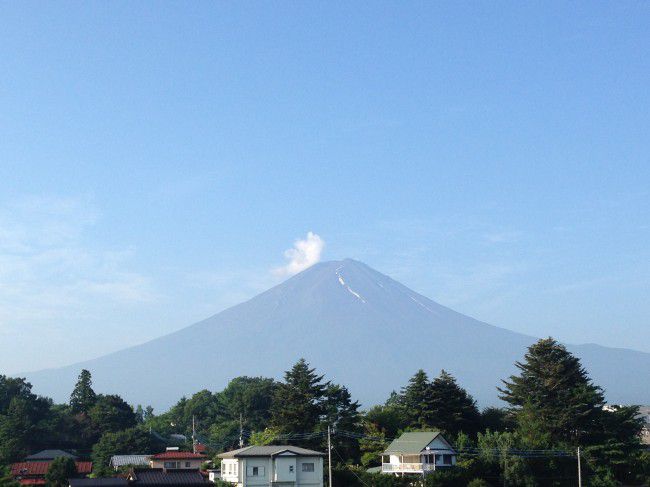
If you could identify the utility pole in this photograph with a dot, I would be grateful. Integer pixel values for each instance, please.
(241, 430)
(329, 455)
(193, 435)
(579, 470)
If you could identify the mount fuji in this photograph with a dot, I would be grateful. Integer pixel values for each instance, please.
(355, 325)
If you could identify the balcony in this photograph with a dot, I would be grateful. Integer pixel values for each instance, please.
(407, 467)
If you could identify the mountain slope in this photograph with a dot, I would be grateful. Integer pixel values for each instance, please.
(356, 325)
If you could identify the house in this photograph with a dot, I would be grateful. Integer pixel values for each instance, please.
(214, 474)
(174, 459)
(272, 466)
(147, 477)
(154, 477)
(121, 461)
(99, 482)
(417, 453)
(33, 472)
(49, 455)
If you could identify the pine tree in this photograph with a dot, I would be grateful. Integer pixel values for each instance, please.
(416, 400)
(148, 413)
(554, 388)
(298, 401)
(139, 414)
(341, 413)
(83, 397)
(452, 409)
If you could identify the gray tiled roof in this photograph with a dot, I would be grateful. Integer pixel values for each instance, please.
(269, 451)
(170, 478)
(49, 455)
(100, 482)
(411, 443)
(122, 460)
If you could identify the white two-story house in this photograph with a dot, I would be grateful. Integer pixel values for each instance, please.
(418, 453)
(272, 466)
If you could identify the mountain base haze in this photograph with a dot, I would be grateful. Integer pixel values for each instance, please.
(354, 324)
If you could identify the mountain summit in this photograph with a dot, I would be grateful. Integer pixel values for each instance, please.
(354, 324)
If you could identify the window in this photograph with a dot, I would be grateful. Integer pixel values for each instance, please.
(290, 468)
(446, 459)
(307, 467)
(255, 472)
(187, 464)
(437, 459)
(171, 464)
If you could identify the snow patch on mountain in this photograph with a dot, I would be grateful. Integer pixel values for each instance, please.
(344, 284)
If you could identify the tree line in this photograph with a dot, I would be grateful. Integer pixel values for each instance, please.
(551, 405)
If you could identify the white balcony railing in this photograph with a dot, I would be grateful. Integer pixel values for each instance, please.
(407, 467)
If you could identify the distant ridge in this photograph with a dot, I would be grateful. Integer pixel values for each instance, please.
(354, 324)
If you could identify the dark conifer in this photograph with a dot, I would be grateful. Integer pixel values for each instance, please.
(83, 397)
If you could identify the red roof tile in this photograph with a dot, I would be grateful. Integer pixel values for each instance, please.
(177, 455)
(24, 469)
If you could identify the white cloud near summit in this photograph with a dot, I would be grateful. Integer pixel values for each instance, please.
(304, 253)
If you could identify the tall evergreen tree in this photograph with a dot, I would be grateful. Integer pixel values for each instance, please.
(298, 401)
(553, 387)
(416, 400)
(148, 413)
(83, 397)
(452, 409)
(341, 413)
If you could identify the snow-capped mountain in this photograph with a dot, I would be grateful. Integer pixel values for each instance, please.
(357, 326)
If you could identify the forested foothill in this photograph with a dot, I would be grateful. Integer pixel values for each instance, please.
(552, 408)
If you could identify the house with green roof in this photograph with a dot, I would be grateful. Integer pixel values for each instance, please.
(417, 453)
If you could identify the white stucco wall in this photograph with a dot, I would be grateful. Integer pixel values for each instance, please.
(277, 469)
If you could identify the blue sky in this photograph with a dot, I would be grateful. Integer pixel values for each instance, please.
(157, 159)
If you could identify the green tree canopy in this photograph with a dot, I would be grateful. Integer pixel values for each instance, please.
(61, 469)
(250, 397)
(6, 480)
(553, 387)
(23, 419)
(452, 409)
(132, 441)
(298, 401)
(83, 397)
(416, 399)
(111, 413)
(341, 413)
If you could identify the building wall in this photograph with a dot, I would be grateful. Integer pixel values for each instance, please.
(192, 464)
(230, 470)
(310, 479)
(285, 469)
(259, 472)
